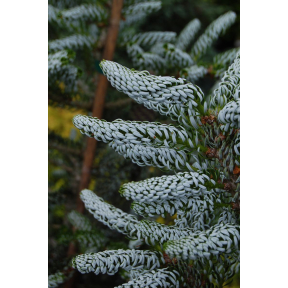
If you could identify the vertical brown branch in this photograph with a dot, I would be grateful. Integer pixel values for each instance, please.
(97, 111)
(100, 94)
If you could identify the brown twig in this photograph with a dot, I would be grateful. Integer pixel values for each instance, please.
(89, 104)
(118, 104)
(100, 94)
(110, 105)
(65, 167)
(64, 149)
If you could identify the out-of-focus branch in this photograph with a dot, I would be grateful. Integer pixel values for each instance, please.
(65, 167)
(118, 104)
(89, 104)
(64, 149)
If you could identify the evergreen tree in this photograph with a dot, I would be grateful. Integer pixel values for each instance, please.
(75, 41)
(201, 249)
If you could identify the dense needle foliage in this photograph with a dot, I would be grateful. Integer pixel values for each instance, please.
(197, 196)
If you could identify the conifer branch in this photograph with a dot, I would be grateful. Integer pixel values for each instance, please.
(176, 98)
(133, 2)
(58, 278)
(188, 34)
(53, 14)
(229, 87)
(170, 187)
(155, 278)
(59, 69)
(59, 59)
(150, 61)
(144, 7)
(90, 241)
(193, 204)
(212, 33)
(84, 12)
(230, 115)
(134, 51)
(71, 42)
(54, 280)
(175, 57)
(79, 221)
(142, 59)
(151, 38)
(115, 218)
(227, 216)
(198, 220)
(147, 144)
(193, 73)
(133, 132)
(137, 12)
(219, 239)
(223, 60)
(109, 262)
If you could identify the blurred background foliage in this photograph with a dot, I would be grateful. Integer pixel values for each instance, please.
(110, 170)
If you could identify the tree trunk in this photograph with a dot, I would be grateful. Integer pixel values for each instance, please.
(99, 99)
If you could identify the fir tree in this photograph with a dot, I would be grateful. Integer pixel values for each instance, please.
(71, 30)
(201, 249)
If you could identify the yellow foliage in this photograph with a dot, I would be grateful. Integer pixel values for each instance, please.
(160, 220)
(62, 86)
(59, 184)
(60, 120)
(77, 97)
(151, 169)
(59, 211)
(92, 184)
(174, 216)
(167, 221)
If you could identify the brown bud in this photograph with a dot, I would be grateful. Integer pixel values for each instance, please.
(166, 258)
(204, 119)
(211, 119)
(221, 136)
(227, 186)
(210, 69)
(236, 170)
(235, 206)
(174, 261)
(211, 152)
(208, 119)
